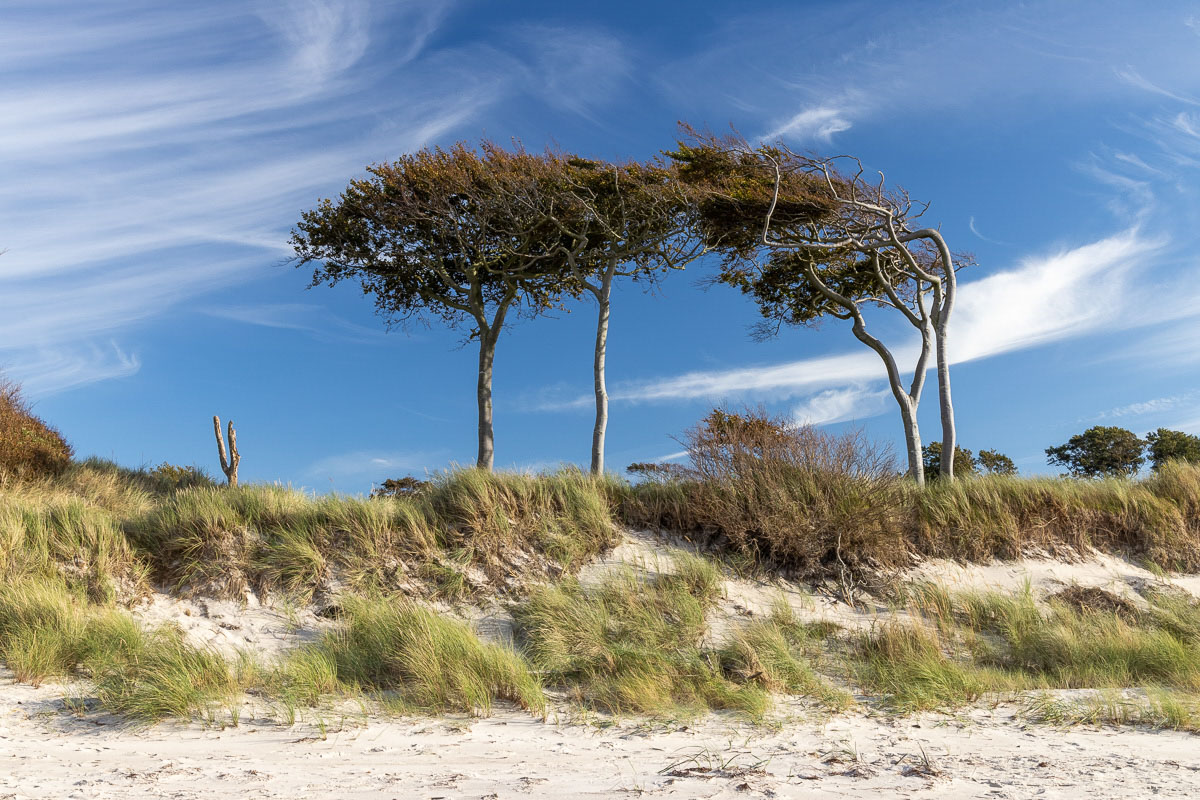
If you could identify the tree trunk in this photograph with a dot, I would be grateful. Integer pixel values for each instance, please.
(949, 434)
(908, 406)
(603, 300)
(941, 333)
(912, 438)
(487, 355)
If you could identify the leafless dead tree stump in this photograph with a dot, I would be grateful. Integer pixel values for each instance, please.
(230, 460)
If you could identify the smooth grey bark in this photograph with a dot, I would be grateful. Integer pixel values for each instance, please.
(603, 299)
(489, 333)
(941, 334)
(483, 392)
(907, 400)
(944, 288)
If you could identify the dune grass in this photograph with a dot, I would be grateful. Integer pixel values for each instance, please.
(820, 524)
(47, 631)
(74, 544)
(968, 644)
(637, 643)
(267, 538)
(1154, 709)
(413, 657)
(778, 653)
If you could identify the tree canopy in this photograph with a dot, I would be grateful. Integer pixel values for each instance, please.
(1168, 445)
(446, 235)
(1100, 451)
(808, 237)
(990, 462)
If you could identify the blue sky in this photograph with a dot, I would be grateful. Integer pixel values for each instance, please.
(156, 156)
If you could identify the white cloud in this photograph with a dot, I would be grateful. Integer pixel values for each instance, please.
(158, 154)
(1048, 298)
(1043, 299)
(1134, 78)
(48, 371)
(811, 124)
(574, 69)
(1155, 406)
(840, 405)
(974, 230)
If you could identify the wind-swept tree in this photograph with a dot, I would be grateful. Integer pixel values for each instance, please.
(438, 235)
(624, 221)
(808, 240)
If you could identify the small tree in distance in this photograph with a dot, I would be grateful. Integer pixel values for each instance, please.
(964, 461)
(990, 462)
(1168, 445)
(996, 463)
(1100, 452)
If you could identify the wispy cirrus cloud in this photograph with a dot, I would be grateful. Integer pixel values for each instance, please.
(58, 369)
(1157, 405)
(310, 318)
(156, 155)
(841, 405)
(1043, 299)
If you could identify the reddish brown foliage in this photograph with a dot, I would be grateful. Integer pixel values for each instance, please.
(28, 446)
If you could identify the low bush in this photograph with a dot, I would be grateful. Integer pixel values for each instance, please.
(29, 447)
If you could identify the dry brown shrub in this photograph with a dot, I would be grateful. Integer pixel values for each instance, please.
(809, 500)
(28, 446)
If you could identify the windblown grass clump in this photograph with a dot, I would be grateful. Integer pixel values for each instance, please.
(988, 642)
(414, 658)
(778, 653)
(263, 538)
(63, 536)
(48, 632)
(638, 643)
(633, 643)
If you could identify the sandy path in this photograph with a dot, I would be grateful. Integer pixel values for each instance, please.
(45, 753)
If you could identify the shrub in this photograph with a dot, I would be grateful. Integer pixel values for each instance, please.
(170, 477)
(28, 446)
(400, 487)
(797, 496)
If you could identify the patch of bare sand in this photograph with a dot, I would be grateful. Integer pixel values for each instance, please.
(981, 753)
(231, 625)
(1046, 576)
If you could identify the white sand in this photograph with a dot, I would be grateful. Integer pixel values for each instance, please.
(986, 752)
(229, 626)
